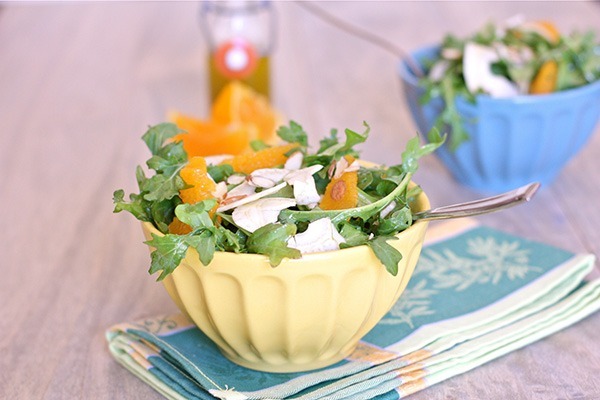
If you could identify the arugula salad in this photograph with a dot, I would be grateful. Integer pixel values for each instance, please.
(515, 58)
(307, 202)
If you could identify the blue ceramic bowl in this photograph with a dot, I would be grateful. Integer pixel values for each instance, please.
(513, 141)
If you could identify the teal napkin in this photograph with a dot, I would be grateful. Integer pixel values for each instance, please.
(476, 294)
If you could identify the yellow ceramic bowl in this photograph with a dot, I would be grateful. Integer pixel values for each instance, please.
(304, 314)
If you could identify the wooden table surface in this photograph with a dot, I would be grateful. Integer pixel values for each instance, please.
(79, 84)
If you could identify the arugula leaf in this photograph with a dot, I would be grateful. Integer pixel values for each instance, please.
(387, 254)
(327, 142)
(170, 249)
(156, 135)
(168, 254)
(174, 152)
(353, 235)
(370, 178)
(162, 213)
(338, 150)
(397, 221)
(389, 179)
(294, 133)
(229, 241)
(414, 150)
(365, 178)
(139, 207)
(271, 240)
(353, 138)
(167, 161)
(166, 166)
(258, 144)
(162, 187)
(365, 198)
(220, 172)
(204, 244)
(140, 177)
(321, 178)
(450, 116)
(337, 216)
(412, 194)
(196, 215)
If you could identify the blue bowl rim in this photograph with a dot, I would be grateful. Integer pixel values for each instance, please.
(565, 95)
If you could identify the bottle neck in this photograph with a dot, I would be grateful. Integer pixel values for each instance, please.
(249, 21)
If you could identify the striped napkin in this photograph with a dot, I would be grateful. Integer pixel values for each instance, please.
(476, 294)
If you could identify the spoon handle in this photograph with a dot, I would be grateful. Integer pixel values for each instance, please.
(481, 206)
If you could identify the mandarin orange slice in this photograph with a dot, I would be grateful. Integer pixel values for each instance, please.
(207, 138)
(545, 79)
(179, 228)
(238, 102)
(341, 193)
(548, 30)
(196, 175)
(545, 29)
(265, 158)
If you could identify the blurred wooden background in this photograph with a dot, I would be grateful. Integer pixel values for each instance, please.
(79, 84)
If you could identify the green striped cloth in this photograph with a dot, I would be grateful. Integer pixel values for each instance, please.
(476, 294)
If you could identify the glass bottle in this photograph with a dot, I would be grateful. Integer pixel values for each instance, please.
(240, 36)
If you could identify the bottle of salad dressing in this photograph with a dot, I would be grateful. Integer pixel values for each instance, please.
(240, 36)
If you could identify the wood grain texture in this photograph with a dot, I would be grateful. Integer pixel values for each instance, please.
(79, 84)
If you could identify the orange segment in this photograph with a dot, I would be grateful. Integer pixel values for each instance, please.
(195, 174)
(548, 30)
(265, 158)
(179, 228)
(545, 80)
(238, 102)
(545, 29)
(341, 193)
(207, 138)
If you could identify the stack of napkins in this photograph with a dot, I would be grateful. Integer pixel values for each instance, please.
(476, 294)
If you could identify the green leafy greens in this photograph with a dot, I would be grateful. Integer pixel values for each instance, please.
(212, 229)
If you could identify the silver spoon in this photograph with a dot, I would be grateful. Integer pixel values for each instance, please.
(481, 206)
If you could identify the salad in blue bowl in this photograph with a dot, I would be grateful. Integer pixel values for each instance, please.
(518, 101)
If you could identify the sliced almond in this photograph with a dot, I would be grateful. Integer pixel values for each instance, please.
(303, 182)
(231, 199)
(331, 170)
(294, 161)
(243, 189)
(251, 198)
(220, 190)
(266, 177)
(342, 166)
(236, 179)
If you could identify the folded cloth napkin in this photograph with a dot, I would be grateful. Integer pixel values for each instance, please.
(476, 294)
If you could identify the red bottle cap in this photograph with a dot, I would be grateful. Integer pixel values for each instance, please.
(236, 59)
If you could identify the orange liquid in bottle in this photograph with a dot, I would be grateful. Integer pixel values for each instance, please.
(258, 79)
